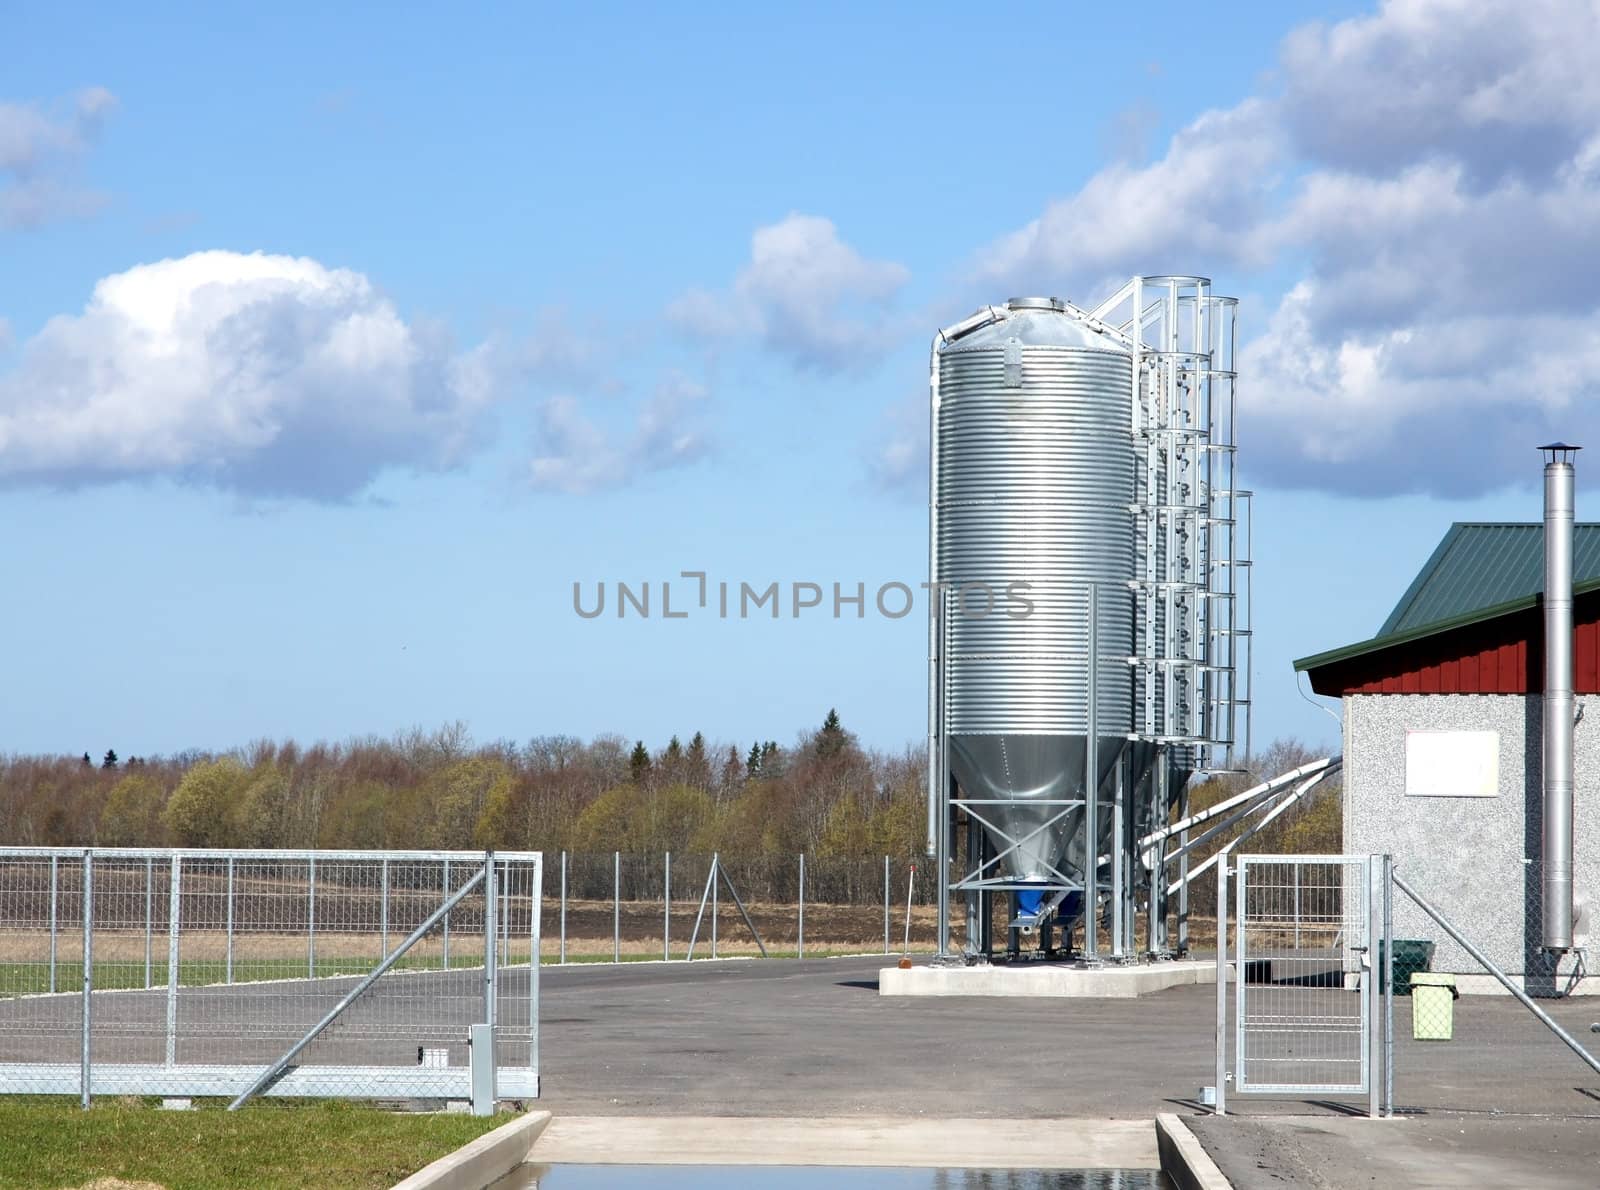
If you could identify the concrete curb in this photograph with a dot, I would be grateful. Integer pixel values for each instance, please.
(1184, 1159)
(1045, 979)
(822, 1141)
(484, 1161)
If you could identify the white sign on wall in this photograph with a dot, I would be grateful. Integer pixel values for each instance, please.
(1452, 764)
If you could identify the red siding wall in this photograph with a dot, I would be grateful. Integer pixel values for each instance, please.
(1500, 656)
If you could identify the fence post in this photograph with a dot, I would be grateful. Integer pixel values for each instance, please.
(490, 907)
(53, 888)
(886, 904)
(383, 910)
(1374, 991)
(229, 975)
(84, 1094)
(911, 883)
(800, 947)
(1222, 984)
(311, 917)
(716, 863)
(175, 893)
(1388, 988)
(535, 945)
(563, 906)
(1183, 873)
(616, 906)
(149, 913)
(1091, 800)
(666, 911)
(447, 916)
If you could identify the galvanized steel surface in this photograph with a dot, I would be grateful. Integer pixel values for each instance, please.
(1081, 458)
(1556, 851)
(201, 969)
(1035, 482)
(1035, 479)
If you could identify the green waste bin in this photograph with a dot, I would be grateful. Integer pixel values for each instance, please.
(1433, 997)
(1410, 956)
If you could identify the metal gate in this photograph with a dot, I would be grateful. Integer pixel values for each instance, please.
(1305, 1002)
(291, 973)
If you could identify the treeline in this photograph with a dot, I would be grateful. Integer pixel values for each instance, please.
(823, 794)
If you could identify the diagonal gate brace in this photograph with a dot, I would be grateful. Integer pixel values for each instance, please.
(281, 1067)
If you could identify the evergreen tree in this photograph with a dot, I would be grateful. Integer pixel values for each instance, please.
(87, 763)
(752, 764)
(110, 762)
(731, 770)
(639, 763)
(697, 766)
(674, 750)
(831, 739)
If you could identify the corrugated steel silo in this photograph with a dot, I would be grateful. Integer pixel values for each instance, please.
(1036, 467)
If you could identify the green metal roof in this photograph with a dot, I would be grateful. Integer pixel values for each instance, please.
(1479, 566)
(1478, 572)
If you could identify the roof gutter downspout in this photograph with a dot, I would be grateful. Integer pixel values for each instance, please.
(1558, 698)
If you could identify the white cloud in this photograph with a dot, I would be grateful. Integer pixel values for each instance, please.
(897, 461)
(39, 152)
(575, 453)
(267, 375)
(560, 349)
(1428, 178)
(1501, 88)
(1212, 182)
(1452, 406)
(805, 293)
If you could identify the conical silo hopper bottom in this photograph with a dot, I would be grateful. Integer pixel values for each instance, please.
(1024, 779)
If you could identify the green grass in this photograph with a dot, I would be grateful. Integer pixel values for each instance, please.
(703, 951)
(50, 1143)
(31, 979)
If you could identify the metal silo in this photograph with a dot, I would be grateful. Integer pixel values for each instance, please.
(1035, 469)
(1086, 610)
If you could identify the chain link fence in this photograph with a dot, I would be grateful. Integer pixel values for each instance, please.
(182, 972)
(619, 906)
(1485, 1019)
(1341, 977)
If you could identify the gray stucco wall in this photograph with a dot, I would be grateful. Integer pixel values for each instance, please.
(1477, 859)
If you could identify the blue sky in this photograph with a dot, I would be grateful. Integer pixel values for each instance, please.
(554, 296)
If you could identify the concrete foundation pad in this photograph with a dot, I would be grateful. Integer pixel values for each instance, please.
(1059, 980)
(848, 1140)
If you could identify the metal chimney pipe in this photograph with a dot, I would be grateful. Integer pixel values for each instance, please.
(1558, 700)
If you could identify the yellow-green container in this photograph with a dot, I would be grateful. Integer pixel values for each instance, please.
(1433, 1005)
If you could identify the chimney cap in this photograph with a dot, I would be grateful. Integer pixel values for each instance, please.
(1560, 452)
